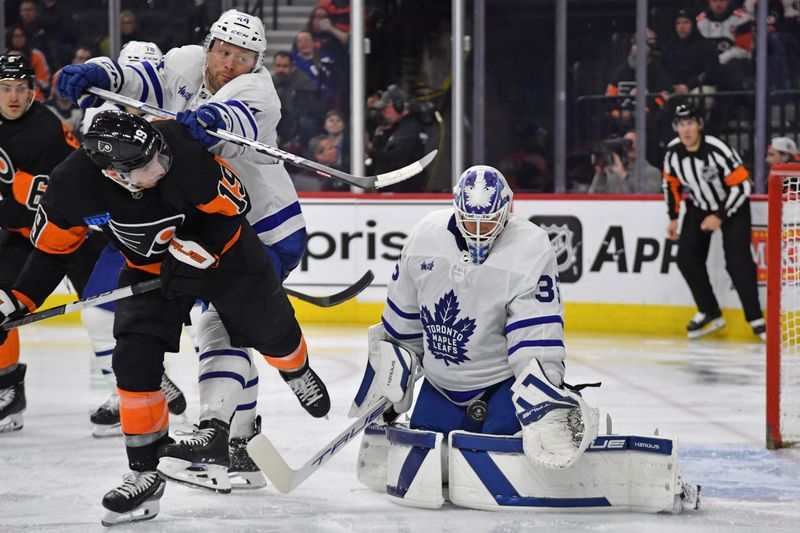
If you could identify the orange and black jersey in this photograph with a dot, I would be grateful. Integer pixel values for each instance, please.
(30, 147)
(200, 198)
(714, 176)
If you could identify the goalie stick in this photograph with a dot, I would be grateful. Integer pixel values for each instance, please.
(286, 478)
(364, 182)
(91, 301)
(339, 297)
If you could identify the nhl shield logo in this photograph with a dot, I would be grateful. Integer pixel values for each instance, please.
(566, 236)
(104, 146)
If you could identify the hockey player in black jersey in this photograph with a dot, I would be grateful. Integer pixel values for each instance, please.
(177, 211)
(32, 142)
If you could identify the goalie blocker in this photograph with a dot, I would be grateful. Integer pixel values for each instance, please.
(490, 472)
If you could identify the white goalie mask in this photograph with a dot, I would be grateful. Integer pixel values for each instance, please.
(240, 29)
(140, 51)
(482, 201)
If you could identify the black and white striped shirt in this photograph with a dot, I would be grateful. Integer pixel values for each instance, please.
(714, 176)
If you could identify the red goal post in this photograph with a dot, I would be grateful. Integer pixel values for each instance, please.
(783, 307)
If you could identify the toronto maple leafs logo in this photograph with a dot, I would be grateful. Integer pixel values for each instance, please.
(447, 334)
(479, 195)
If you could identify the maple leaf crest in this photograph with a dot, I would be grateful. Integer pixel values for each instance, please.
(479, 195)
(447, 334)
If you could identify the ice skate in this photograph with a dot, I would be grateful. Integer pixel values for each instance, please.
(200, 461)
(243, 472)
(136, 499)
(759, 327)
(176, 403)
(12, 400)
(106, 418)
(310, 390)
(703, 324)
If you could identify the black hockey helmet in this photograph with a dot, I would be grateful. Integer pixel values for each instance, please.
(122, 141)
(14, 67)
(685, 112)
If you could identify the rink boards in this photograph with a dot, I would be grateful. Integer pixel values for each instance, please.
(618, 270)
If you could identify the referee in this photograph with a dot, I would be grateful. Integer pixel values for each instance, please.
(718, 187)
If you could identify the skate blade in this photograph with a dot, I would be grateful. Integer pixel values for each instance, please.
(247, 480)
(209, 477)
(11, 423)
(712, 326)
(101, 431)
(147, 511)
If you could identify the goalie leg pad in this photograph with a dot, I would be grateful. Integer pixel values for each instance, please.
(372, 457)
(414, 467)
(617, 473)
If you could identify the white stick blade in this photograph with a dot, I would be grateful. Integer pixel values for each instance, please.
(402, 174)
(271, 463)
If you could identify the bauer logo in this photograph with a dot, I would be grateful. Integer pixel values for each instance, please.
(566, 236)
(759, 249)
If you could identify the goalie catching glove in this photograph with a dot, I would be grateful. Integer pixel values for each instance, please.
(557, 424)
(389, 374)
(183, 269)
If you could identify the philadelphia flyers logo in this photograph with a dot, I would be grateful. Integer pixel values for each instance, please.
(148, 238)
(6, 167)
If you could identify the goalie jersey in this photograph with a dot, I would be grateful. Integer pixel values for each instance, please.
(250, 107)
(476, 325)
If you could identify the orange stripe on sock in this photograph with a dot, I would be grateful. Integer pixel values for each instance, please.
(293, 361)
(143, 412)
(9, 350)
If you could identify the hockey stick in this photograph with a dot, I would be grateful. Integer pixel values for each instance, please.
(339, 297)
(91, 301)
(363, 182)
(286, 478)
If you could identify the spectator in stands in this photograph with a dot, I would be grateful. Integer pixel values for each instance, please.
(55, 19)
(66, 110)
(615, 168)
(336, 131)
(128, 31)
(623, 78)
(302, 106)
(729, 29)
(319, 67)
(339, 13)
(330, 40)
(81, 55)
(690, 58)
(782, 150)
(399, 141)
(17, 44)
(322, 150)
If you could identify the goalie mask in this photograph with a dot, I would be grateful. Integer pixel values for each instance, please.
(482, 201)
(240, 29)
(140, 51)
(126, 143)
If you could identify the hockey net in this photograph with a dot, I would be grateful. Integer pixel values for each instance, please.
(783, 307)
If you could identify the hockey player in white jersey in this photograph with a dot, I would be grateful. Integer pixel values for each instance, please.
(474, 305)
(223, 85)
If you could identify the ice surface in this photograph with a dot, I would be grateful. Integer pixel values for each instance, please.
(53, 474)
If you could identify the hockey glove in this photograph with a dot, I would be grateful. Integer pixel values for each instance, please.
(557, 424)
(10, 309)
(184, 268)
(205, 117)
(75, 79)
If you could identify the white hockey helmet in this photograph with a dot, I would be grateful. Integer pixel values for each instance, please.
(241, 29)
(482, 198)
(140, 51)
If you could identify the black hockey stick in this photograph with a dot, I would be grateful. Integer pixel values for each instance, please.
(91, 301)
(339, 297)
(363, 182)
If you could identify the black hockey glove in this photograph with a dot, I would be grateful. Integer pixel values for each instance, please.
(184, 268)
(10, 309)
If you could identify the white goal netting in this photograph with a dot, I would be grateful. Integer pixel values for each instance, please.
(788, 361)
